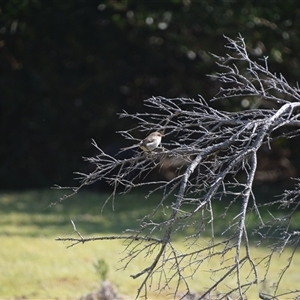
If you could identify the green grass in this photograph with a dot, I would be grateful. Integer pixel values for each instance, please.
(35, 266)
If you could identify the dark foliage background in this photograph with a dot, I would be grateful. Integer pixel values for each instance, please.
(68, 67)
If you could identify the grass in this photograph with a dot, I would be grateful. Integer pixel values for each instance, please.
(35, 266)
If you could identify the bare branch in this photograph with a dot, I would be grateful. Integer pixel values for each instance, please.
(214, 154)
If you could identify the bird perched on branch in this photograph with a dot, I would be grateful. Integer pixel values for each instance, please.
(151, 142)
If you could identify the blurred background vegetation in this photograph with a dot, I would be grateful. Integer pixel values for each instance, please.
(68, 67)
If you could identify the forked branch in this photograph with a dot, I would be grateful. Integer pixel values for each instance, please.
(214, 154)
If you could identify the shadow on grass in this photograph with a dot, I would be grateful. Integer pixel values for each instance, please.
(31, 214)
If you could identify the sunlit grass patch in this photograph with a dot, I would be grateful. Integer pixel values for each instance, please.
(36, 266)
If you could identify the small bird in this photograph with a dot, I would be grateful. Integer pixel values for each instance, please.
(151, 142)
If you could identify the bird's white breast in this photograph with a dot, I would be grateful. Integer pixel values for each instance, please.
(152, 145)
